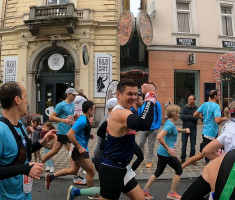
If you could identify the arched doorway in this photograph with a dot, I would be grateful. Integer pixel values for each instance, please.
(55, 73)
(224, 73)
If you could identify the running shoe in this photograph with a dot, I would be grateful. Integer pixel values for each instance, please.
(146, 194)
(52, 170)
(94, 197)
(173, 196)
(70, 194)
(149, 165)
(48, 168)
(47, 180)
(79, 180)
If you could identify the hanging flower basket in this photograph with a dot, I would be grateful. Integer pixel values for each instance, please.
(225, 65)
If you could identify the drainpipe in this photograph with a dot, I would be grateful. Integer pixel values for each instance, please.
(5, 14)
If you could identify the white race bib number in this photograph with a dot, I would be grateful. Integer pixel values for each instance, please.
(129, 175)
(27, 184)
(71, 149)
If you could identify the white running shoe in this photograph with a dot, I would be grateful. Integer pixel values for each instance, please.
(52, 170)
(48, 168)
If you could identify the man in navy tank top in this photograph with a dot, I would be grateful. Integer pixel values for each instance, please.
(115, 175)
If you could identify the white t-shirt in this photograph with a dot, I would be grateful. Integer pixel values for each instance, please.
(227, 137)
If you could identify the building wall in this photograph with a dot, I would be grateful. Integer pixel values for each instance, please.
(98, 32)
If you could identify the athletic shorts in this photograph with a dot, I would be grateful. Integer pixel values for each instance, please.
(62, 139)
(76, 155)
(112, 182)
(205, 141)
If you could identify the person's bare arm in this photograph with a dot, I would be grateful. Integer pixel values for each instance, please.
(183, 130)
(72, 139)
(53, 117)
(210, 150)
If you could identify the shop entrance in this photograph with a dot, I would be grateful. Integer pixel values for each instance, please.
(185, 83)
(52, 81)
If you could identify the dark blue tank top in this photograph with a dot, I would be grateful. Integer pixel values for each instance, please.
(118, 151)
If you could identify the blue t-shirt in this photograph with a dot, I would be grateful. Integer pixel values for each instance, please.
(63, 109)
(170, 138)
(209, 111)
(82, 130)
(10, 188)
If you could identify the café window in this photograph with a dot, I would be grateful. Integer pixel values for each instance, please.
(51, 2)
(227, 20)
(183, 16)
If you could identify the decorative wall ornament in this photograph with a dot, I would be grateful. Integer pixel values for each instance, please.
(225, 65)
(126, 28)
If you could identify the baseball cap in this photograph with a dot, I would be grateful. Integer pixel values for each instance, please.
(111, 103)
(70, 91)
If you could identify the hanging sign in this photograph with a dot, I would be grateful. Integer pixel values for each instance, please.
(56, 61)
(125, 28)
(10, 68)
(103, 73)
(144, 28)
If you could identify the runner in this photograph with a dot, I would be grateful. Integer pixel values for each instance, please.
(64, 114)
(166, 152)
(119, 147)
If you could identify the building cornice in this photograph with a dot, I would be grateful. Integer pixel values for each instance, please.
(189, 49)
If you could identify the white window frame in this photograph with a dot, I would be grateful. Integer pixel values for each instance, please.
(227, 15)
(58, 2)
(184, 11)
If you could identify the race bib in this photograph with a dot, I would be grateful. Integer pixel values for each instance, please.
(27, 184)
(71, 149)
(129, 174)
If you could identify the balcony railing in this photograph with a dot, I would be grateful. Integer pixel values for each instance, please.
(56, 15)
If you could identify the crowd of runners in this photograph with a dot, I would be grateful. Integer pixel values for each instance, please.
(128, 113)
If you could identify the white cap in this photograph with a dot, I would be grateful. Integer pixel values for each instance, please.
(70, 91)
(111, 103)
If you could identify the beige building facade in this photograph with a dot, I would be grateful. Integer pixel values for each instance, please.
(42, 34)
(189, 38)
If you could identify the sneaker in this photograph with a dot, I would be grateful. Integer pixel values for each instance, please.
(94, 197)
(149, 164)
(70, 194)
(173, 195)
(146, 194)
(47, 180)
(79, 180)
(52, 170)
(48, 168)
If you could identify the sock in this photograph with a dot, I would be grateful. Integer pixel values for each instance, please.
(77, 192)
(92, 191)
(52, 177)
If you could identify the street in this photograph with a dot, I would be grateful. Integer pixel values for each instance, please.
(58, 189)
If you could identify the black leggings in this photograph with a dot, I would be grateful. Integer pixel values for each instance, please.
(197, 190)
(172, 161)
(140, 157)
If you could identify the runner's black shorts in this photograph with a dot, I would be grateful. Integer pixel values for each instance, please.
(112, 182)
(76, 155)
(205, 141)
(62, 139)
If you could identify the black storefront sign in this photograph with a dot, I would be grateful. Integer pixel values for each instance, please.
(228, 44)
(186, 41)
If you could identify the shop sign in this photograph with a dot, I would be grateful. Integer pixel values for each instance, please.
(228, 44)
(103, 73)
(10, 68)
(191, 59)
(56, 61)
(186, 41)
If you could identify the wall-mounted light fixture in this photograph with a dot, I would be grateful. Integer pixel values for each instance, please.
(85, 55)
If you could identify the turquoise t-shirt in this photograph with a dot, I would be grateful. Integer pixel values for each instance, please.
(170, 138)
(82, 130)
(63, 109)
(10, 188)
(209, 111)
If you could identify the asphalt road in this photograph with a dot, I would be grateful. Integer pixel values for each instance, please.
(58, 189)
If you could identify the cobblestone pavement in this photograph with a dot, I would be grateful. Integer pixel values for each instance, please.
(61, 160)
